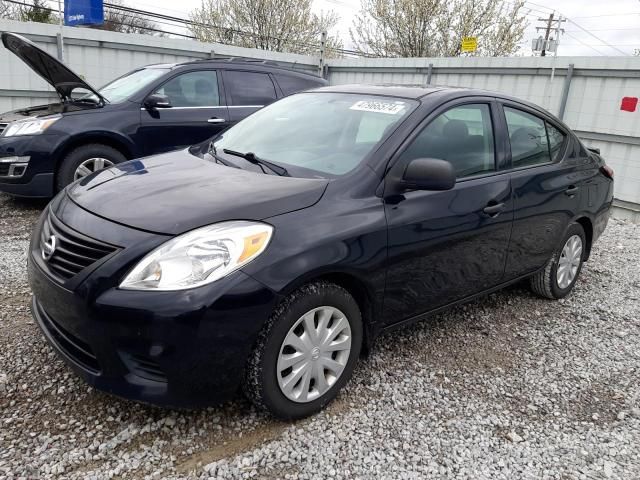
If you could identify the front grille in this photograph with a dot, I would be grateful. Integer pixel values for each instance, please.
(144, 367)
(2, 127)
(72, 346)
(4, 169)
(73, 251)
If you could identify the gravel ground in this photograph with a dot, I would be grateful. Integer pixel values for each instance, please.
(509, 386)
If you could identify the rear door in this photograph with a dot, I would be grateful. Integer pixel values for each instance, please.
(198, 111)
(247, 91)
(547, 186)
(447, 245)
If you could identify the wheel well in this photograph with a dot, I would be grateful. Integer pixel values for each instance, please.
(88, 140)
(588, 233)
(361, 295)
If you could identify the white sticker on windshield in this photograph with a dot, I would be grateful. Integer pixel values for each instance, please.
(391, 108)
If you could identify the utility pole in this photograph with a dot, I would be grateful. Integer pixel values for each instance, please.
(60, 39)
(552, 25)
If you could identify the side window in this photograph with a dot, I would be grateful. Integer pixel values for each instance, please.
(249, 88)
(193, 89)
(528, 137)
(291, 84)
(556, 141)
(462, 136)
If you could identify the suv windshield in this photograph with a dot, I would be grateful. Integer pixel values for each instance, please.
(123, 87)
(325, 133)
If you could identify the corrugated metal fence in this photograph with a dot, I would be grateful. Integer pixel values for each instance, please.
(589, 89)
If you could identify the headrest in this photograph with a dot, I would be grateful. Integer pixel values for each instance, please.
(455, 129)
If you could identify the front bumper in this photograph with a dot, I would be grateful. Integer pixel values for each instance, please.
(175, 349)
(38, 178)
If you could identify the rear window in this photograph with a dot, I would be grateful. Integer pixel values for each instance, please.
(290, 84)
(249, 88)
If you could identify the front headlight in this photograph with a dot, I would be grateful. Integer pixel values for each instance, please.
(30, 126)
(199, 257)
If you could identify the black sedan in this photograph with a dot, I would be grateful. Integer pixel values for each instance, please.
(269, 258)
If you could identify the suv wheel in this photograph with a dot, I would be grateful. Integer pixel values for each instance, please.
(306, 352)
(559, 276)
(85, 160)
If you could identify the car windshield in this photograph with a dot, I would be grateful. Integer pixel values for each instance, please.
(122, 88)
(322, 134)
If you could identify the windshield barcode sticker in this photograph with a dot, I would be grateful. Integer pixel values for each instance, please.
(391, 108)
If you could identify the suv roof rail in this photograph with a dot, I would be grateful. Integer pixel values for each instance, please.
(254, 61)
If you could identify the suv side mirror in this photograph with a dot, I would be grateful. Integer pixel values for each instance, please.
(157, 101)
(428, 174)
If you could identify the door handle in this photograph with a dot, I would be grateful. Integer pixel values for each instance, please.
(494, 209)
(216, 120)
(571, 190)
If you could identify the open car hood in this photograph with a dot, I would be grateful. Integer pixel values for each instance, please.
(58, 75)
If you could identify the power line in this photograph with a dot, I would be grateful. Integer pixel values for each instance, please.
(585, 44)
(596, 37)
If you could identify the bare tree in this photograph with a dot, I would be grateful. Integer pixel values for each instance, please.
(36, 11)
(279, 25)
(435, 28)
(124, 21)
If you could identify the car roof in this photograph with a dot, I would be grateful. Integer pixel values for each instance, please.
(417, 92)
(240, 62)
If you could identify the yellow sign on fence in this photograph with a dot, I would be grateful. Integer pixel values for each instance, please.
(469, 44)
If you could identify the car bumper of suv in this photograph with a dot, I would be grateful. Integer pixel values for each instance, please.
(26, 166)
(176, 349)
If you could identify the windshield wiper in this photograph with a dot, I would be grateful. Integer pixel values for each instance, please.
(214, 153)
(252, 158)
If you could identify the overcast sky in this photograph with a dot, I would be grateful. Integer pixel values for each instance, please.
(613, 22)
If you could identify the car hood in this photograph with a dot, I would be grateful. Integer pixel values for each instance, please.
(58, 75)
(177, 192)
(43, 111)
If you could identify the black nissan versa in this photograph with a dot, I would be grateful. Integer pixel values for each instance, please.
(149, 110)
(271, 256)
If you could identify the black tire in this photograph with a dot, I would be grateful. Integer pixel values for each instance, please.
(261, 383)
(78, 155)
(545, 282)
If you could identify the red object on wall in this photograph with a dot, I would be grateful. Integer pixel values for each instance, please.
(629, 104)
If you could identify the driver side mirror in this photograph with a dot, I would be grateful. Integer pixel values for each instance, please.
(428, 174)
(157, 100)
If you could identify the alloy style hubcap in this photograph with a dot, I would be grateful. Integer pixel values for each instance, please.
(569, 261)
(91, 165)
(313, 354)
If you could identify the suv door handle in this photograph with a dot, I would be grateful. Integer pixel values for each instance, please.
(493, 210)
(571, 190)
(216, 120)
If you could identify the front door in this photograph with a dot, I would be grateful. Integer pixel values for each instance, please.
(444, 246)
(198, 112)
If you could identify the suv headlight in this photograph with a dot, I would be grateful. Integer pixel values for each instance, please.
(30, 126)
(199, 257)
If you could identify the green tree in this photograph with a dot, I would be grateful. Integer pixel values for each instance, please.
(278, 25)
(435, 28)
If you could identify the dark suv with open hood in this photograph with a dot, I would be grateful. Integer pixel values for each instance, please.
(150, 110)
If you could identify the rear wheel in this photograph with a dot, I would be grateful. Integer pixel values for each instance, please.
(306, 351)
(85, 160)
(560, 274)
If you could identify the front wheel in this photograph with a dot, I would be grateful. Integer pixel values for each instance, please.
(306, 352)
(560, 274)
(85, 160)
